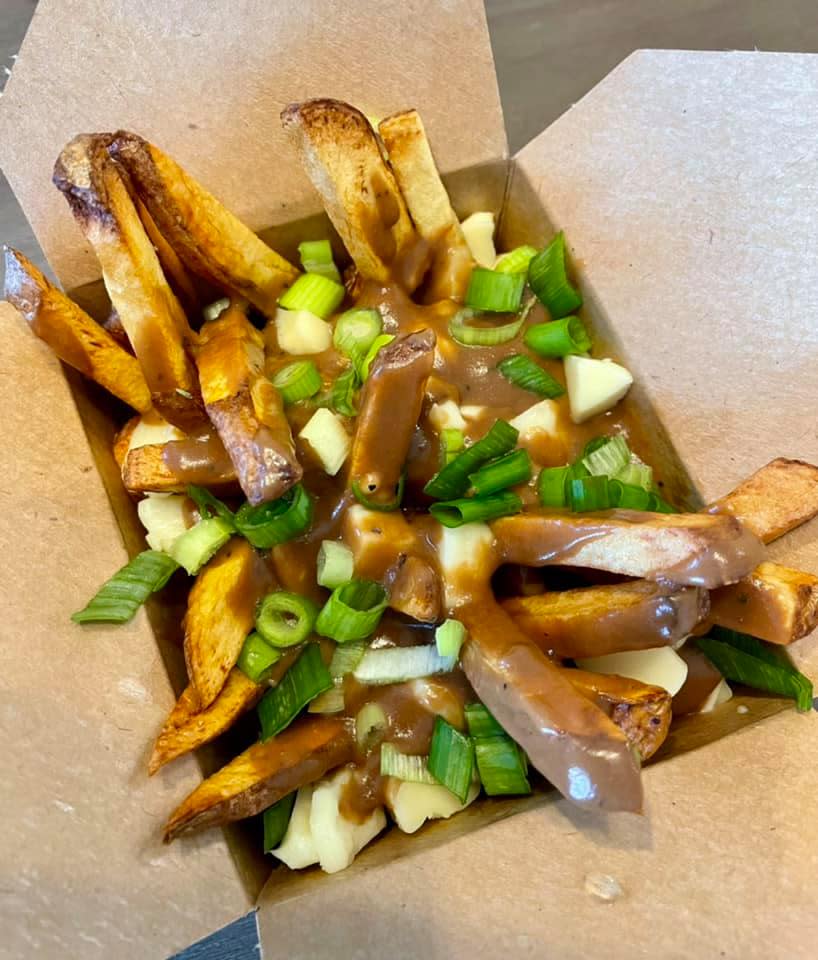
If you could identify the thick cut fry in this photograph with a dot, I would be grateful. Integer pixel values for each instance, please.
(207, 237)
(74, 336)
(220, 613)
(342, 158)
(567, 738)
(265, 773)
(175, 271)
(245, 407)
(410, 157)
(414, 589)
(122, 441)
(171, 467)
(593, 621)
(774, 603)
(686, 549)
(113, 325)
(775, 499)
(640, 710)
(390, 407)
(150, 313)
(187, 729)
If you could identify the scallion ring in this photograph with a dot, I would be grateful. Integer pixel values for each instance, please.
(285, 619)
(353, 611)
(269, 524)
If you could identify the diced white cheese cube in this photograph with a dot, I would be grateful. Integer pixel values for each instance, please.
(463, 552)
(719, 695)
(301, 332)
(153, 429)
(472, 411)
(297, 849)
(539, 418)
(594, 386)
(446, 416)
(164, 517)
(660, 666)
(479, 232)
(338, 840)
(412, 804)
(328, 439)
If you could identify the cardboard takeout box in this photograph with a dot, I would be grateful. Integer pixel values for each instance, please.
(686, 187)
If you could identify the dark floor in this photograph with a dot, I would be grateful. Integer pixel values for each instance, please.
(550, 52)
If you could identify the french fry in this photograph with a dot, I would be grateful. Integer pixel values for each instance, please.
(245, 407)
(265, 773)
(414, 589)
(113, 325)
(641, 711)
(342, 158)
(411, 160)
(593, 621)
(122, 441)
(175, 271)
(773, 603)
(775, 499)
(686, 549)
(74, 336)
(172, 466)
(188, 728)
(220, 614)
(207, 237)
(150, 313)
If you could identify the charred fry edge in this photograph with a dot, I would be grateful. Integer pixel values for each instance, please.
(145, 470)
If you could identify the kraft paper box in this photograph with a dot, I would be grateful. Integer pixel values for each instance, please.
(686, 185)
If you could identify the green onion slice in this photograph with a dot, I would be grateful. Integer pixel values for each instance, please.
(377, 345)
(398, 664)
(500, 474)
(451, 758)
(335, 564)
(257, 658)
(552, 486)
(454, 513)
(481, 723)
(548, 278)
(379, 505)
(316, 257)
(626, 496)
(527, 374)
(744, 659)
(355, 332)
(452, 441)
(589, 493)
(341, 395)
(637, 474)
(330, 701)
(314, 293)
(449, 638)
(285, 619)
(495, 292)
(404, 766)
(453, 480)
(502, 766)
(660, 505)
(118, 599)
(345, 658)
(297, 381)
(196, 546)
(278, 521)
(305, 679)
(276, 819)
(516, 260)
(208, 505)
(608, 458)
(469, 336)
(353, 611)
(559, 338)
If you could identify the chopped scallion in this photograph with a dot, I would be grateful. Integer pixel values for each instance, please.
(379, 505)
(330, 701)
(607, 459)
(558, 338)
(353, 611)
(305, 679)
(377, 345)
(208, 505)
(316, 257)
(404, 766)
(451, 758)
(527, 374)
(501, 765)
(297, 381)
(276, 819)
(196, 546)
(552, 486)
(481, 723)
(548, 278)
(452, 441)
(589, 493)
(470, 336)
(495, 292)
(345, 658)
(257, 658)
(278, 521)
(341, 395)
(449, 638)
(285, 619)
(516, 260)
(397, 664)
(637, 474)
(314, 293)
(454, 513)
(355, 332)
(625, 496)
(453, 480)
(335, 564)
(507, 471)
(118, 599)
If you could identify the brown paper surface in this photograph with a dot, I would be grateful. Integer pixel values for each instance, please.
(207, 82)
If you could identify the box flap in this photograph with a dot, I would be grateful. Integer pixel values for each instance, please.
(207, 82)
(80, 708)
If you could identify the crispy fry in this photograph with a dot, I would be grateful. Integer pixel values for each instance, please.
(775, 499)
(170, 467)
(122, 441)
(773, 603)
(220, 614)
(342, 158)
(186, 729)
(245, 407)
(175, 271)
(72, 334)
(641, 711)
(415, 589)
(410, 157)
(567, 738)
(593, 621)
(686, 549)
(207, 237)
(113, 325)
(384, 433)
(265, 773)
(150, 313)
